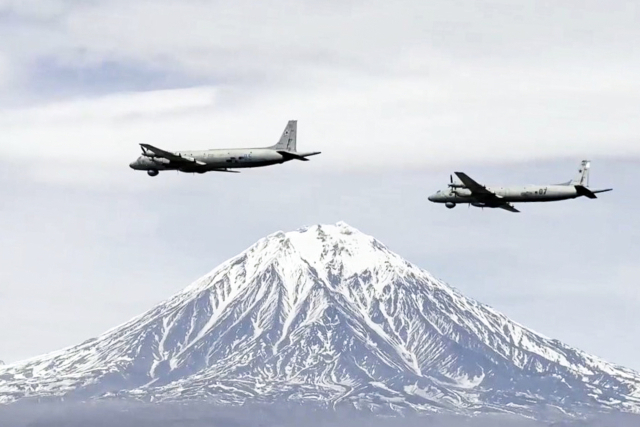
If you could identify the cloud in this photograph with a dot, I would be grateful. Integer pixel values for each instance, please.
(5, 71)
(282, 34)
(373, 84)
(285, 41)
(372, 123)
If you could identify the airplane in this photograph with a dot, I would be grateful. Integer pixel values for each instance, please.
(466, 190)
(153, 159)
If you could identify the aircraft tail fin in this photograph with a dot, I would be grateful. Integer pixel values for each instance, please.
(287, 141)
(583, 174)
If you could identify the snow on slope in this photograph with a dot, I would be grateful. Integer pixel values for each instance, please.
(328, 314)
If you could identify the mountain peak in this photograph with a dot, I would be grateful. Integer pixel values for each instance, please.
(323, 247)
(328, 314)
(338, 231)
(332, 249)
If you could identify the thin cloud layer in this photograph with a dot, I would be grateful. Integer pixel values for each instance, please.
(373, 84)
(385, 123)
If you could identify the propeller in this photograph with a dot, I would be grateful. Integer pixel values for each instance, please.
(454, 185)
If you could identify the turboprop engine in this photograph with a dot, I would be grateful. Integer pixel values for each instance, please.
(462, 192)
(160, 160)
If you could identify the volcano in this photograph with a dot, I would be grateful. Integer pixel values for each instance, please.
(328, 315)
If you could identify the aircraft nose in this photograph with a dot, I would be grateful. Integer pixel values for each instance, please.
(133, 165)
(432, 198)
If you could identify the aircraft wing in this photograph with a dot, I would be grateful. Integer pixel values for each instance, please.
(508, 207)
(169, 156)
(488, 197)
(473, 185)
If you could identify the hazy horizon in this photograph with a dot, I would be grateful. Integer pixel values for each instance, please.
(197, 414)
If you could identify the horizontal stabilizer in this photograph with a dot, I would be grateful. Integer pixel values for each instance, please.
(584, 191)
(288, 155)
(602, 191)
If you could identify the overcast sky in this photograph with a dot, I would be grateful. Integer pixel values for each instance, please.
(396, 95)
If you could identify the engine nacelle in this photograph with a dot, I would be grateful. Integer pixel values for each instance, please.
(462, 192)
(160, 160)
(450, 205)
(152, 172)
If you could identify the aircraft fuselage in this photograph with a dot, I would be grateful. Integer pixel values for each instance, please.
(212, 159)
(518, 194)
(467, 190)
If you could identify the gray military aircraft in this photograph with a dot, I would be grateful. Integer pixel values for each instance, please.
(153, 160)
(466, 190)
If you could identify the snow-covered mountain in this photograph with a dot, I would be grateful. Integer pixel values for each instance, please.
(329, 315)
